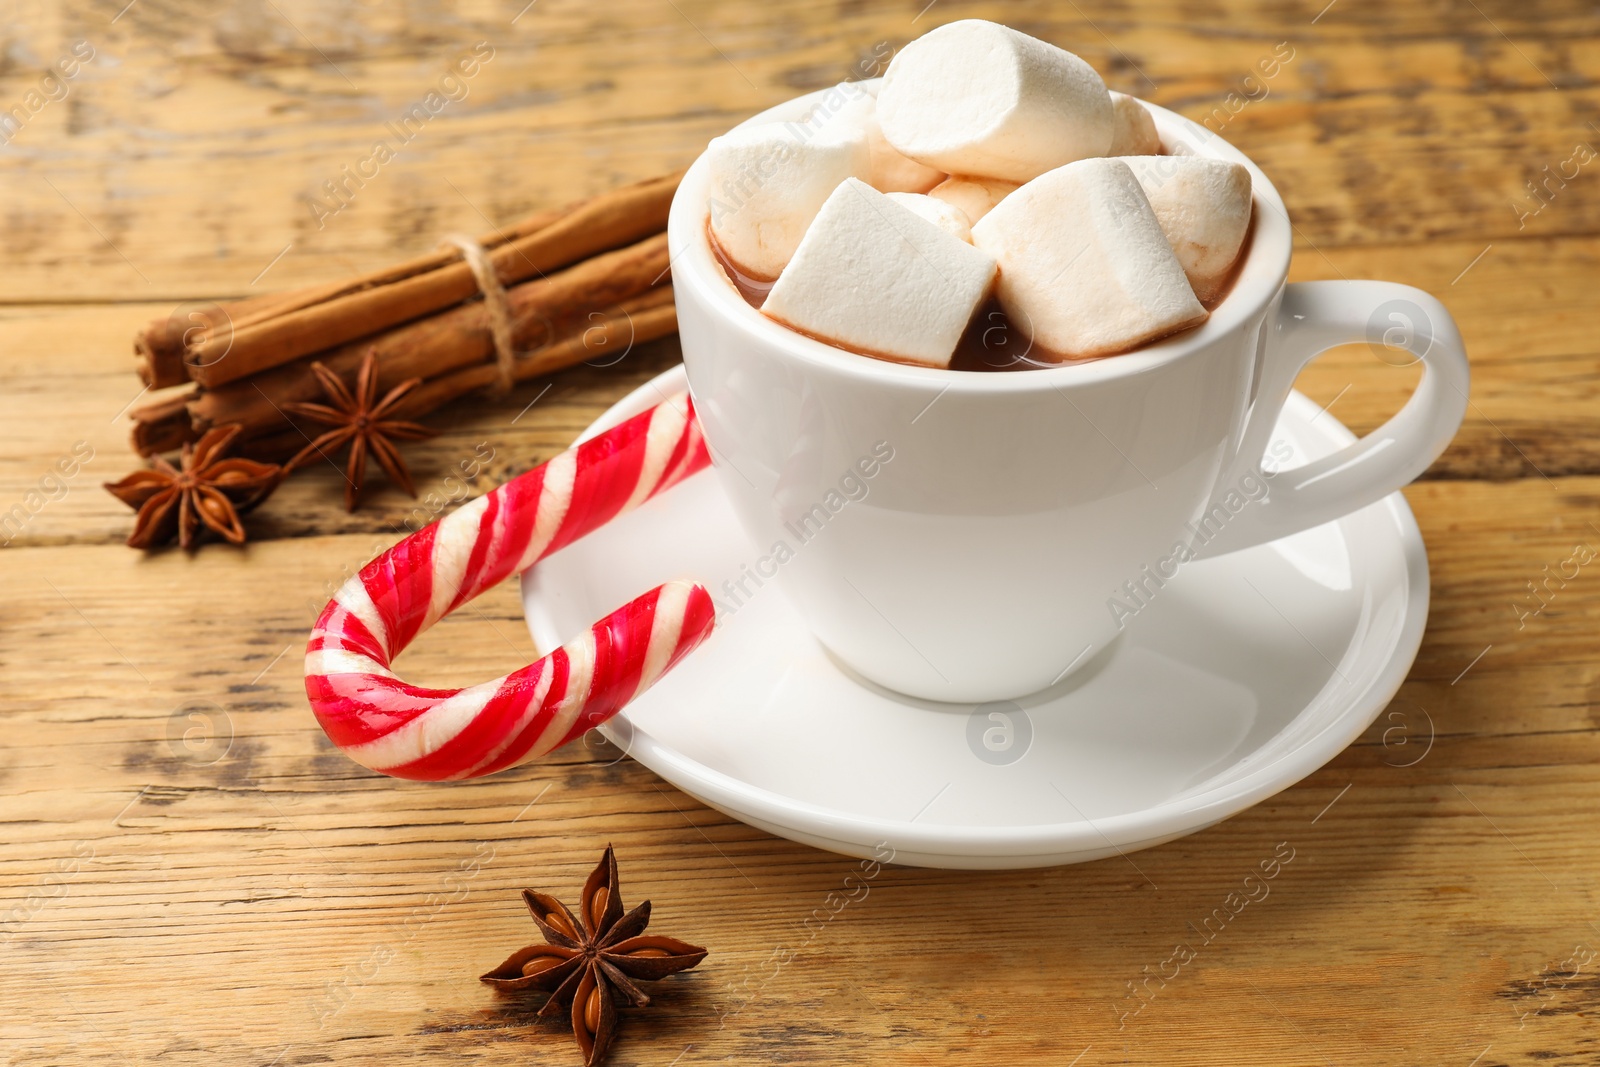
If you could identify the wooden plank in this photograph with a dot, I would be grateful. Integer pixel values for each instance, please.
(311, 904)
(223, 150)
(191, 874)
(1534, 402)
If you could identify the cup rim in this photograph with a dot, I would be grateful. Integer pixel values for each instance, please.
(696, 270)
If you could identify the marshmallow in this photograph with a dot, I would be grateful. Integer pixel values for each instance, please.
(977, 98)
(1133, 131)
(1203, 206)
(976, 197)
(767, 183)
(875, 277)
(947, 217)
(1085, 269)
(851, 107)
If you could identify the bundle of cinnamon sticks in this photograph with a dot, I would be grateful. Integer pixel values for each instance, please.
(579, 283)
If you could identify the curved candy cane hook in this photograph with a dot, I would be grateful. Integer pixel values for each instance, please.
(406, 731)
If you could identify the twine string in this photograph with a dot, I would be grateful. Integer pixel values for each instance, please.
(495, 302)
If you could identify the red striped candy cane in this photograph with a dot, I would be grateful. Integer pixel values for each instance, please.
(433, 734)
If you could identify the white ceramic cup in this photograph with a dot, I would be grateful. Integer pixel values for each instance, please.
(965, 536)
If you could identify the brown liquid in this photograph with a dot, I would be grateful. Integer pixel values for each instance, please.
(992, 342)
(753, 289)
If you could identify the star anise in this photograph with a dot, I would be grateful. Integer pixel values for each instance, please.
(204, 490)
(364, 421)
(592, 959)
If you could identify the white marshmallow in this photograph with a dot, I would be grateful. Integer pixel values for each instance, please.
(853, 107)
(976, 197)
(1085, 269)
(1203, 206)
(978, 98)
(767, 183)
(947, 217)
(1133, 131)
(873, 276)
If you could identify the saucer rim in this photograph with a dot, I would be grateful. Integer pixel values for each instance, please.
(1034, 843)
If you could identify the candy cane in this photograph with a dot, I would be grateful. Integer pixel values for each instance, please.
(433, 734)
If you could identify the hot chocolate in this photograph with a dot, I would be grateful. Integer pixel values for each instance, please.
(989, 206)
(991, 341)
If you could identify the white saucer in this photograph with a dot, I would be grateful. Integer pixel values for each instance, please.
(1244, 675)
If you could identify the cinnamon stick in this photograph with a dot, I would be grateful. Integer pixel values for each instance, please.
(159, 348)
(274, 447)
(162, 346)
(257, 310)
(163, 425)
(646, 317)
(452, 340)
(270, 336)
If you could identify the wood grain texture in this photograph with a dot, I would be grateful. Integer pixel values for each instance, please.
(190, 873)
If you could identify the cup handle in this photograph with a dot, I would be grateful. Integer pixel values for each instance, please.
(1311, 318)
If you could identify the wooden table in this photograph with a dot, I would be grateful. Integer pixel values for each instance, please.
(193, 875)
